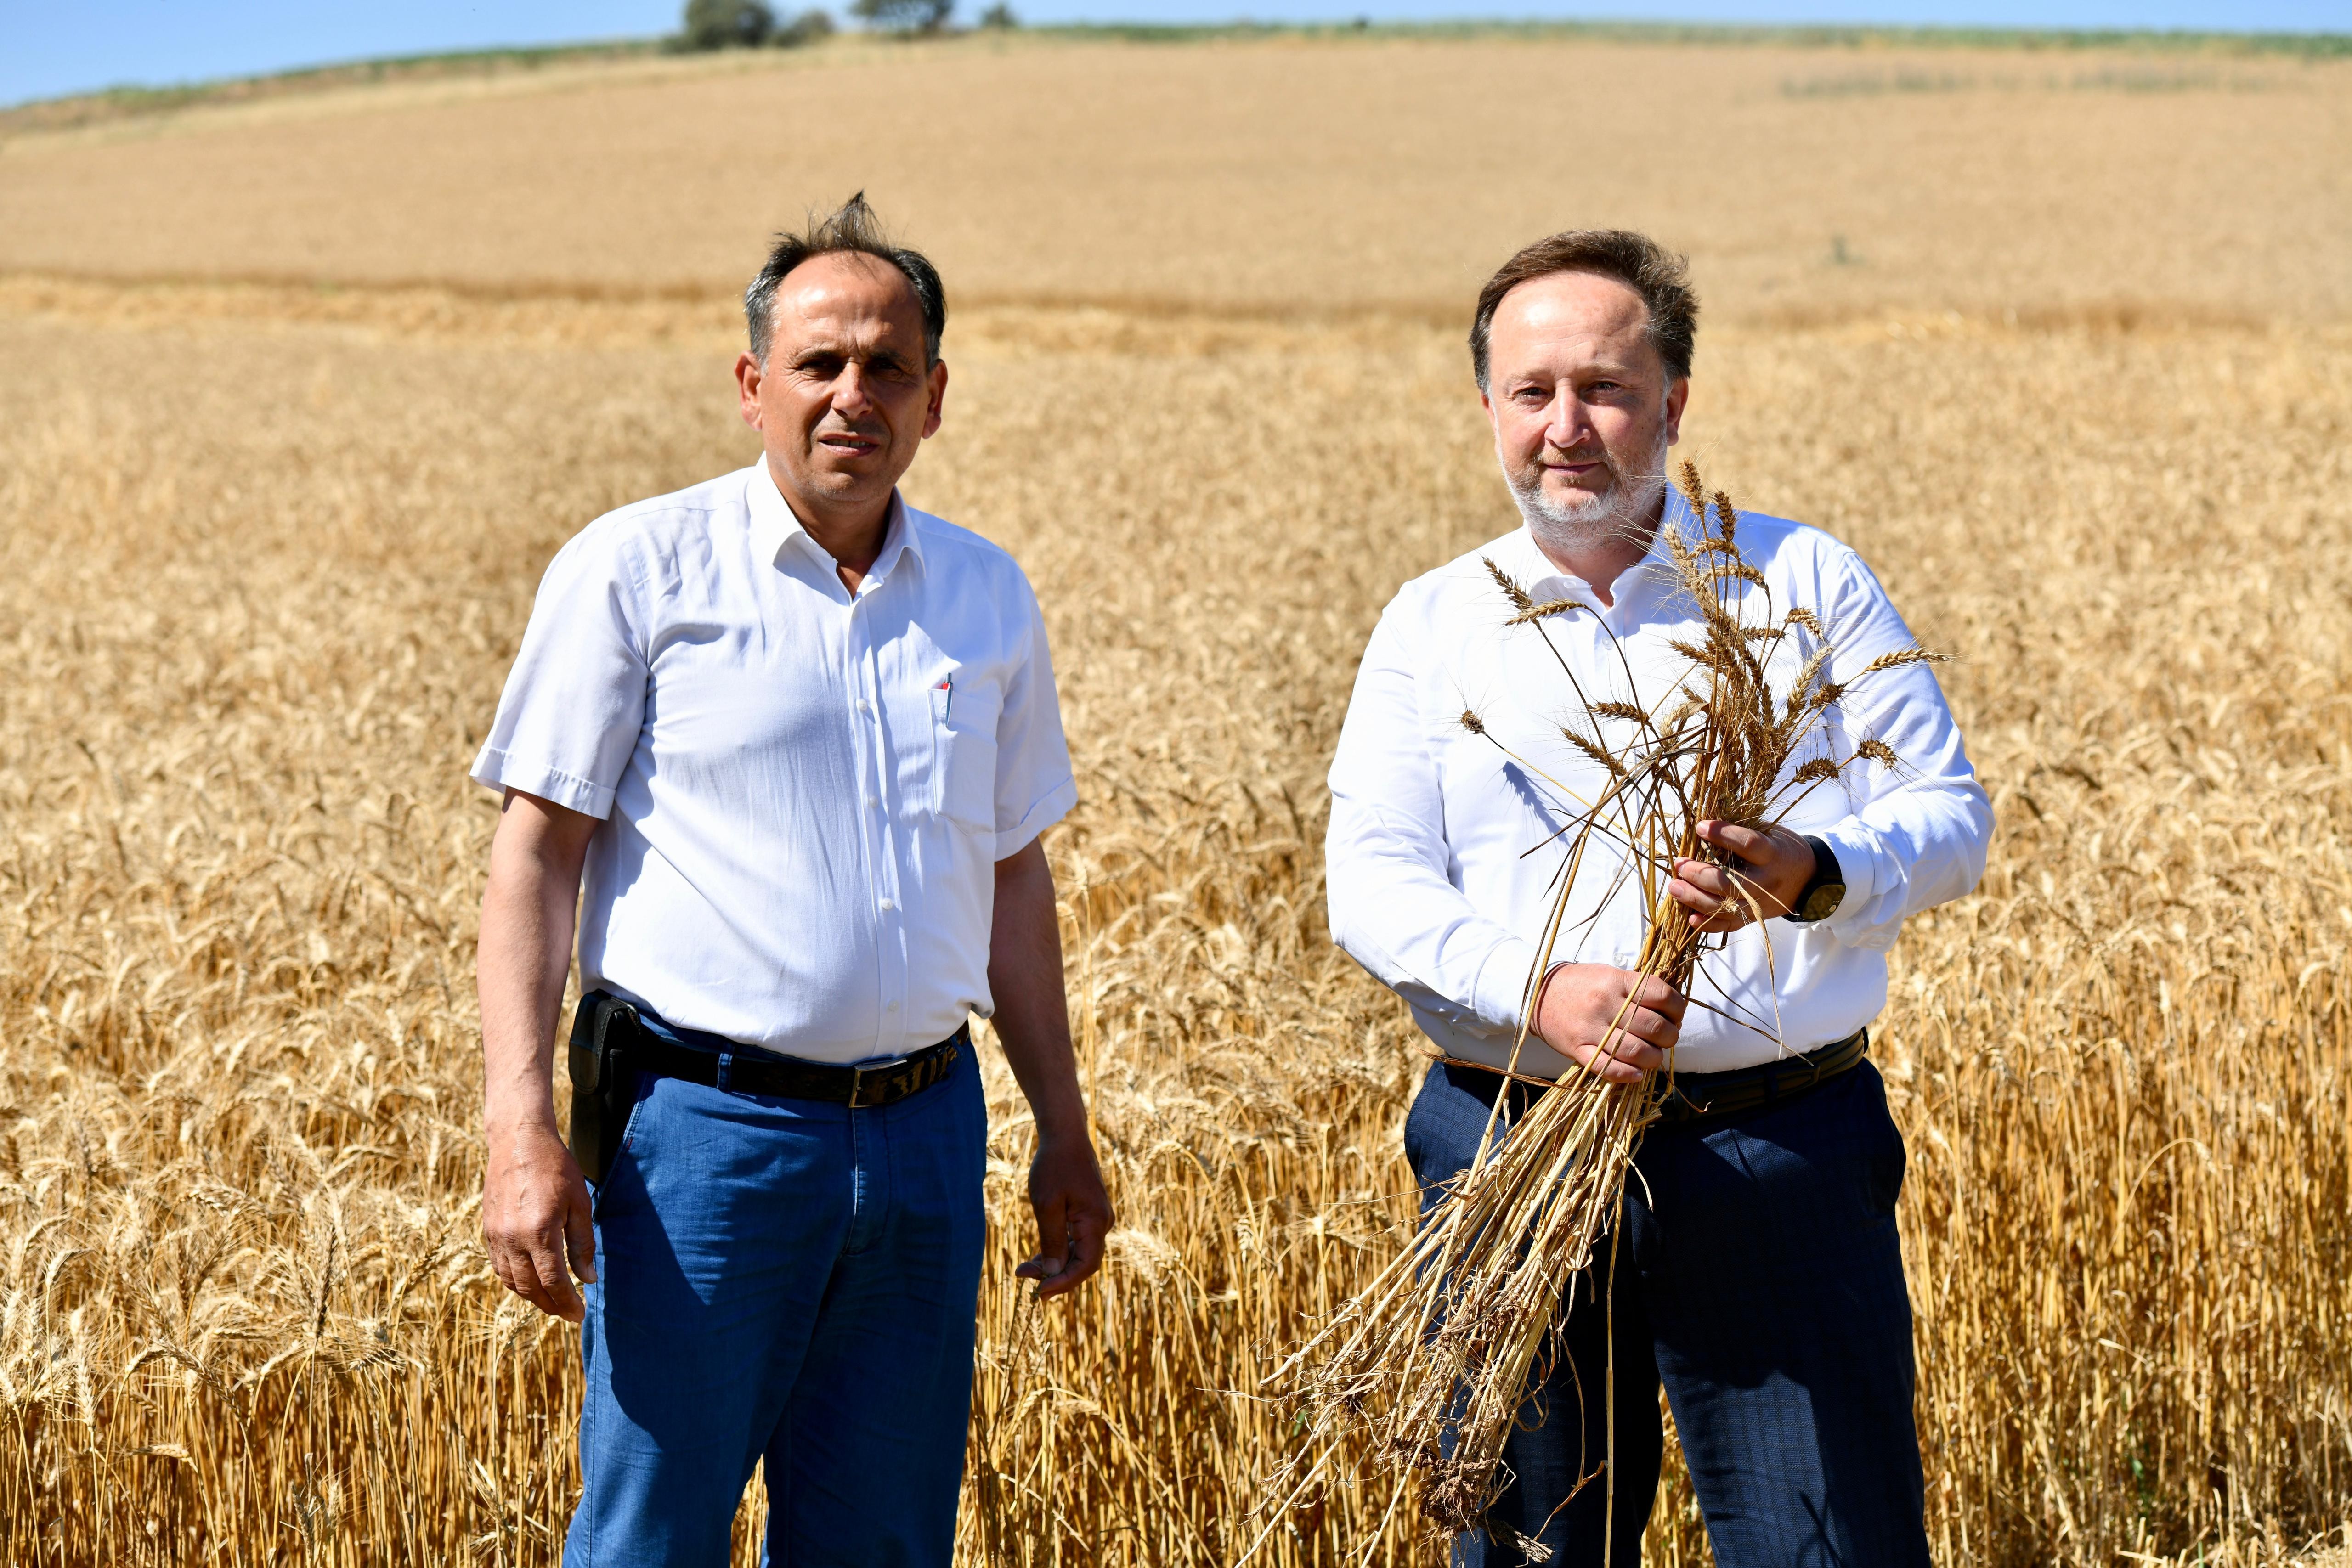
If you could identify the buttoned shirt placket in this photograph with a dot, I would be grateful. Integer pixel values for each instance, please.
(1583, 638)
(869, 721)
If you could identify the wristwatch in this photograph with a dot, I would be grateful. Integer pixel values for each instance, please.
(1818, 899)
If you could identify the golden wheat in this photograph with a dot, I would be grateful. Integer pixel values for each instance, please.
(260, 597)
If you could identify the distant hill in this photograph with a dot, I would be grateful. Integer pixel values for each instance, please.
(122, 103)
(1813, 174)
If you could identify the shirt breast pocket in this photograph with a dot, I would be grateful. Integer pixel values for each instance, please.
(963, 752)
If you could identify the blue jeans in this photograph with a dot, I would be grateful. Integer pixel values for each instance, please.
(1757, 1279)
(787, 1279)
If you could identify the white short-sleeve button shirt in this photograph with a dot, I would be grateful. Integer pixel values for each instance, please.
(806, 790)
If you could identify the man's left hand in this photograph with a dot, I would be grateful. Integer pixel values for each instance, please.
(1771, 866)
(1074, 1216)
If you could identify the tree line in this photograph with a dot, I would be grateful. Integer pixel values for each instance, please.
(754, 24)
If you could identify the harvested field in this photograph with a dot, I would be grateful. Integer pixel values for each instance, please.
(265, 551)
(1317, 176)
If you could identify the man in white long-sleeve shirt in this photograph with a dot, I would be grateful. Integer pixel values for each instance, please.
(1761, 1281)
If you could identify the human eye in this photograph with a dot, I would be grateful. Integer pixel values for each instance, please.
(822, 365)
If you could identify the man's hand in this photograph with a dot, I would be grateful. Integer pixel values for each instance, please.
(1616, 1022)
(1066, 1188)
(536, 1220)
(1774, 865)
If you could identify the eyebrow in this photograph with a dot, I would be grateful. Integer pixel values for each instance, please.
(1592, 368)
(890, 359)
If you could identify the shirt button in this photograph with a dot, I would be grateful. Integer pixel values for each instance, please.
(887, 906)
(873, 800)
(891, 1008)
(863, 707)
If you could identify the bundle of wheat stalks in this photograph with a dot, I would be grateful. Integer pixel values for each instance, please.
(1431, 1360)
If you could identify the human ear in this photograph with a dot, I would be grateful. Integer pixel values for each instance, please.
(939, 397)
(748, 376)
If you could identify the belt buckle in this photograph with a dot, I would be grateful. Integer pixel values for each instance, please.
(857, 1101)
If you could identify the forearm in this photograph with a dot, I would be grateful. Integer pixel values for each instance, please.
(1024, 976)
(525, 956)
(535, 1216)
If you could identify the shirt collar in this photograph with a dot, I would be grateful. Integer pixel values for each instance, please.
(775, 525)
(1639, 589)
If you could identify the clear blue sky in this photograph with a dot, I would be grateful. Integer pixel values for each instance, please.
(48, 49)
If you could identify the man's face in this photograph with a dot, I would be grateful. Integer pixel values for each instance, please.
(1581, 405)
(844, 397)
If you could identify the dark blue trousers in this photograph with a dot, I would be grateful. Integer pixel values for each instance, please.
(1757, 1279)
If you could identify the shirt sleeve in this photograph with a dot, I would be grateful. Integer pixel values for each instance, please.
(1920, 829)
(575, 701)
(1393, 905)
(1034, 785)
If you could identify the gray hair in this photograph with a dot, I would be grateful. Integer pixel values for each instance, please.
(852, 230)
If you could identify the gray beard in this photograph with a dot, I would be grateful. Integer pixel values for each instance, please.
(1625, 511)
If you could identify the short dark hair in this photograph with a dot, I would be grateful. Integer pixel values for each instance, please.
(1658, 275)
(854, 230)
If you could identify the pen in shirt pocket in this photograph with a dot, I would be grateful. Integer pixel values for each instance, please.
(946, 700)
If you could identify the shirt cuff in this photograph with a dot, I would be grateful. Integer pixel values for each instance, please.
(496, 769)
(1863, 862)
(1501, 988)
(1050, 809)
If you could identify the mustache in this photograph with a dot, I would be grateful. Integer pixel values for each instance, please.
(863, 429)
(1620, 506)
(1599, 454)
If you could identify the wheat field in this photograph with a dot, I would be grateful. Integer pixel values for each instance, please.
(266, 545)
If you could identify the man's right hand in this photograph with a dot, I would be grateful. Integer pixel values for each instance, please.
(537, 1222)
(1583, 1013)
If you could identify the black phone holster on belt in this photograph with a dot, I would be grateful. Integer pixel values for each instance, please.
(603, 1080)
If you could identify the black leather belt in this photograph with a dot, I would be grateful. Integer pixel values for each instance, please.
(753, 1071)
(1692, 1097)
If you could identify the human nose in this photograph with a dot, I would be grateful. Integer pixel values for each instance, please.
(1564, 423)
(851, 394)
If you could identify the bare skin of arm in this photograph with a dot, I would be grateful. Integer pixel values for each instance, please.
(535, 1213)
(1033, 1021)
(1582, 1012)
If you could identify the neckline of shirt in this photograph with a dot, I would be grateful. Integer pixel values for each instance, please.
(1638, 590)
(774, 525)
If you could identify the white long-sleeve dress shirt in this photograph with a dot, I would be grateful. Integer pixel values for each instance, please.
(806, 790)
(1442, 864)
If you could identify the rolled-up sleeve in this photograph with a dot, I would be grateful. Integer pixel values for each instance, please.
(1034, 784)
(1394, 907)
(1922, 826)
(575, 700)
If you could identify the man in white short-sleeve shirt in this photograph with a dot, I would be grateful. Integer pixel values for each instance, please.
(802, 739)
